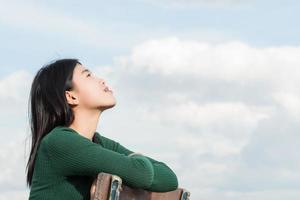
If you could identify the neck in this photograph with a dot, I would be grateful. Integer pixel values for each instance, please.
(85, 122)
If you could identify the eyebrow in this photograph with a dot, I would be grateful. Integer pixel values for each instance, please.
(85, 70)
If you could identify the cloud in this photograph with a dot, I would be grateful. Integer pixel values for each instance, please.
(13, 159)
(230, 61)
(229, 109)
(14, 94)
(194, 114)
(12, 86)
(289, 101)
(210, 120)
(223, 116)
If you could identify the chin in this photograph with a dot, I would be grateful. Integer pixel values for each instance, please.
(108, 105)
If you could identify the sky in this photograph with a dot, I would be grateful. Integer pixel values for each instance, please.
(209, 87)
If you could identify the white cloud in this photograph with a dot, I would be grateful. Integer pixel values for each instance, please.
(13, 87)
(223, 128)
(212, 145)
(216, 100)
(192, 114)
(13, 162)
(290, 102)
(14, 94)
(230, 61)
(213, 194)
(14, 195)
(220, 115)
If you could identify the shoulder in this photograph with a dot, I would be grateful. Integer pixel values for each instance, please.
(65, 142)
(58, 132)
(63, 136)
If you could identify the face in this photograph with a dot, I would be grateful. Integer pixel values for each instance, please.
(90, 92)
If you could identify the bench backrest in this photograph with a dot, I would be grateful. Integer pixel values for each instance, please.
(110, 187)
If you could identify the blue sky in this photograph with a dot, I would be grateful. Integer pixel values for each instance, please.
(212, 87)
(259, 23)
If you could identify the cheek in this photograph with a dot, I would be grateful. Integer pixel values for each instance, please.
(91, 95)
(92, 92)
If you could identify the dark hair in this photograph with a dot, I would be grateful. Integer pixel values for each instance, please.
(48, 104)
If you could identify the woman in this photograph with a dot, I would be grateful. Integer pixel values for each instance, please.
(67, 153)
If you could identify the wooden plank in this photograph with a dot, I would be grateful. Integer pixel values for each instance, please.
(109, 187)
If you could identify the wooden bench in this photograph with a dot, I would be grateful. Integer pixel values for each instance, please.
(110, 187)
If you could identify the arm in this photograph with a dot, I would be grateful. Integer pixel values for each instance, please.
(71, 154)
(112, 145)
(164, 178)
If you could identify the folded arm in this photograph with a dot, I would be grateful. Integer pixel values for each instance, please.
(164, 177)
(112, 145)
(71, 154)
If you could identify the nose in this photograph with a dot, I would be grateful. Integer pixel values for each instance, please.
(101, 81)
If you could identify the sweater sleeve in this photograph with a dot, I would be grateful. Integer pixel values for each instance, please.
(112, 145)
(164, 177)
(73, 154)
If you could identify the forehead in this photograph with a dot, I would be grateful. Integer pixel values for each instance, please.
(80, 70)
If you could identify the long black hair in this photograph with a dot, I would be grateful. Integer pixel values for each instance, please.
(48, 106)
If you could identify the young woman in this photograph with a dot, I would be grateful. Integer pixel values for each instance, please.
(67, 153)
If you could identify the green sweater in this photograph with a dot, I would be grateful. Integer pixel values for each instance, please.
(67, 163)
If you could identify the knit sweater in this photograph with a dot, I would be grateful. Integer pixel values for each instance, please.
(67, 163)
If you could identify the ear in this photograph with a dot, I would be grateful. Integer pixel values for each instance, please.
(71, 98)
